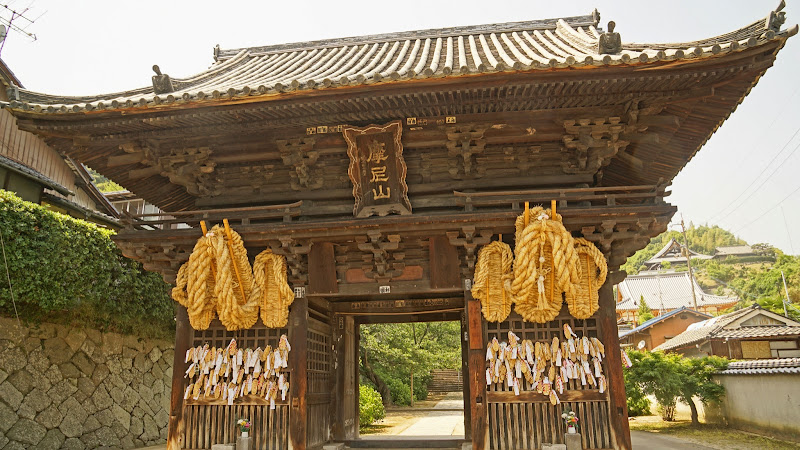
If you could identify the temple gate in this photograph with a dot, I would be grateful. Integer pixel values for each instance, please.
(378, 167)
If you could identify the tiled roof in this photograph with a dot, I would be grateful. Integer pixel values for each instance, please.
(33, 174)
(733, 250)
(660, 318)
(758, 332)
(717, 328)
(671, 256)
(674, 288)
(761, 366)
(449, 52)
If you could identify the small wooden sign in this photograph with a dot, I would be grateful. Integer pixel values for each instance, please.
(377, 169)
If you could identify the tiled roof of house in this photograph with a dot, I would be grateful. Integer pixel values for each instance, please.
(33, 174)
(661, 318)
(722, 327)
(758, 332)
(570, 42)
(665, 291)
(671, 253)
(733, 250)
(762, 366)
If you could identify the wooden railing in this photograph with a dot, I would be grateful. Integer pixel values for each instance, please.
(575, 197)
(242, 215)
(206, 425)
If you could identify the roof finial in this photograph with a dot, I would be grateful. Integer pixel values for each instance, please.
(161, 82)
(596, 16)
(777, 18)
(216, 53)
(609, 42)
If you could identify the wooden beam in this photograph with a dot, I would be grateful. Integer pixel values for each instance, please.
(618, 406)
(322, 269)
(535, 397)
(403, 306)
(298, 338)
(183, 338)
(465, 385)
(478, 406)
(445, 266)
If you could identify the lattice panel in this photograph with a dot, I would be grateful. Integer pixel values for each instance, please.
(258, 336)
(527, 425)
(206, 425)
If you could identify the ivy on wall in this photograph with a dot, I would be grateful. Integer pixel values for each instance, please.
(68, 271)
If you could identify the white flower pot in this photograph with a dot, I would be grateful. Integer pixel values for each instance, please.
(571, 430)
(247, 434)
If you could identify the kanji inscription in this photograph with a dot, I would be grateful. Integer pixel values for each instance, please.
(377, 169)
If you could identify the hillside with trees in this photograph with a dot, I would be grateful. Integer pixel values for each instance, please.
(753, 280)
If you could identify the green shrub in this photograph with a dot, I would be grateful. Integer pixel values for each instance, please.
(370, 406)
(68, 271)
(401, 392)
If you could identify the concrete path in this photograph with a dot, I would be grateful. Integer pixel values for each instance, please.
(447, 422)
(655, 441)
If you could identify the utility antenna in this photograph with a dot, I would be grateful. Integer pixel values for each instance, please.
(15, 20)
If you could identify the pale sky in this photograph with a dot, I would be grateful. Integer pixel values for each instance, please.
(746, 178)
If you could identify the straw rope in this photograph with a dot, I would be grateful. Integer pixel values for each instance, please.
(194, 288)
(272, 289)
(593, 275)
(236, 306)
(546, 266)
(492, 280)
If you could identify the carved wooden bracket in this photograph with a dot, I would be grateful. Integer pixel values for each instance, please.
(521, 157)
(190, 167)
(590, 144)
(464, 142)
(296, 253)
(382, 261)
(300, 156)
(469, 239)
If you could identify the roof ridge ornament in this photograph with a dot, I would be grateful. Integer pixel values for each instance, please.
(777, 18)
(161, 82)
(609, 42)
(596, 17)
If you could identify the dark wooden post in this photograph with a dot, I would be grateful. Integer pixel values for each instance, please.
(607, 321)
(298, 338)
(465, 374)
(477, 374)
(183, 339)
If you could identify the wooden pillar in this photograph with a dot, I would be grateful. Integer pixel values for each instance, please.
(478, 408)
(298, 338)
(183, 339)
(465, 375)
(618, 410)
(343, 419)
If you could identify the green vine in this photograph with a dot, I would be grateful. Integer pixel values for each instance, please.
(68, 271)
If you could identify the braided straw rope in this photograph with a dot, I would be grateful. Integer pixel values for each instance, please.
(546, 265)
(194, 288)
(236, 311)
(271, 288)
(593, 275)
(492, 280)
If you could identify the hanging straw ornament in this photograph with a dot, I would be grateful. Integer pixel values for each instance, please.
(594, 270)
(236, 306)
(546, 265)
(492, 280)
(274, 293)
(194, 287)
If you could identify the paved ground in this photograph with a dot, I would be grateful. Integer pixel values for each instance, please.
(447, 422)
(654, 441)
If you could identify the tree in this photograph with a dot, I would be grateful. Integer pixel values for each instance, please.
(645, 313)
(670, 377)
(656, 374)
(695, 381)
(398, 358)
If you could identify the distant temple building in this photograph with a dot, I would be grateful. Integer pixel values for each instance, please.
(664, 292)
(673, 254)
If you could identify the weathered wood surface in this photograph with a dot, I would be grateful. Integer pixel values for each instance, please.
(322, 269)
(445, 265)
(298, 361)
(618, 405)
(478, 405)
(183, 339)
(207, 425)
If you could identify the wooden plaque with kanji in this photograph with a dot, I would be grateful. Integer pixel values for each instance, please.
(377, 169)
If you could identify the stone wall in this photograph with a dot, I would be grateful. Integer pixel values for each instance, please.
(71, 388)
